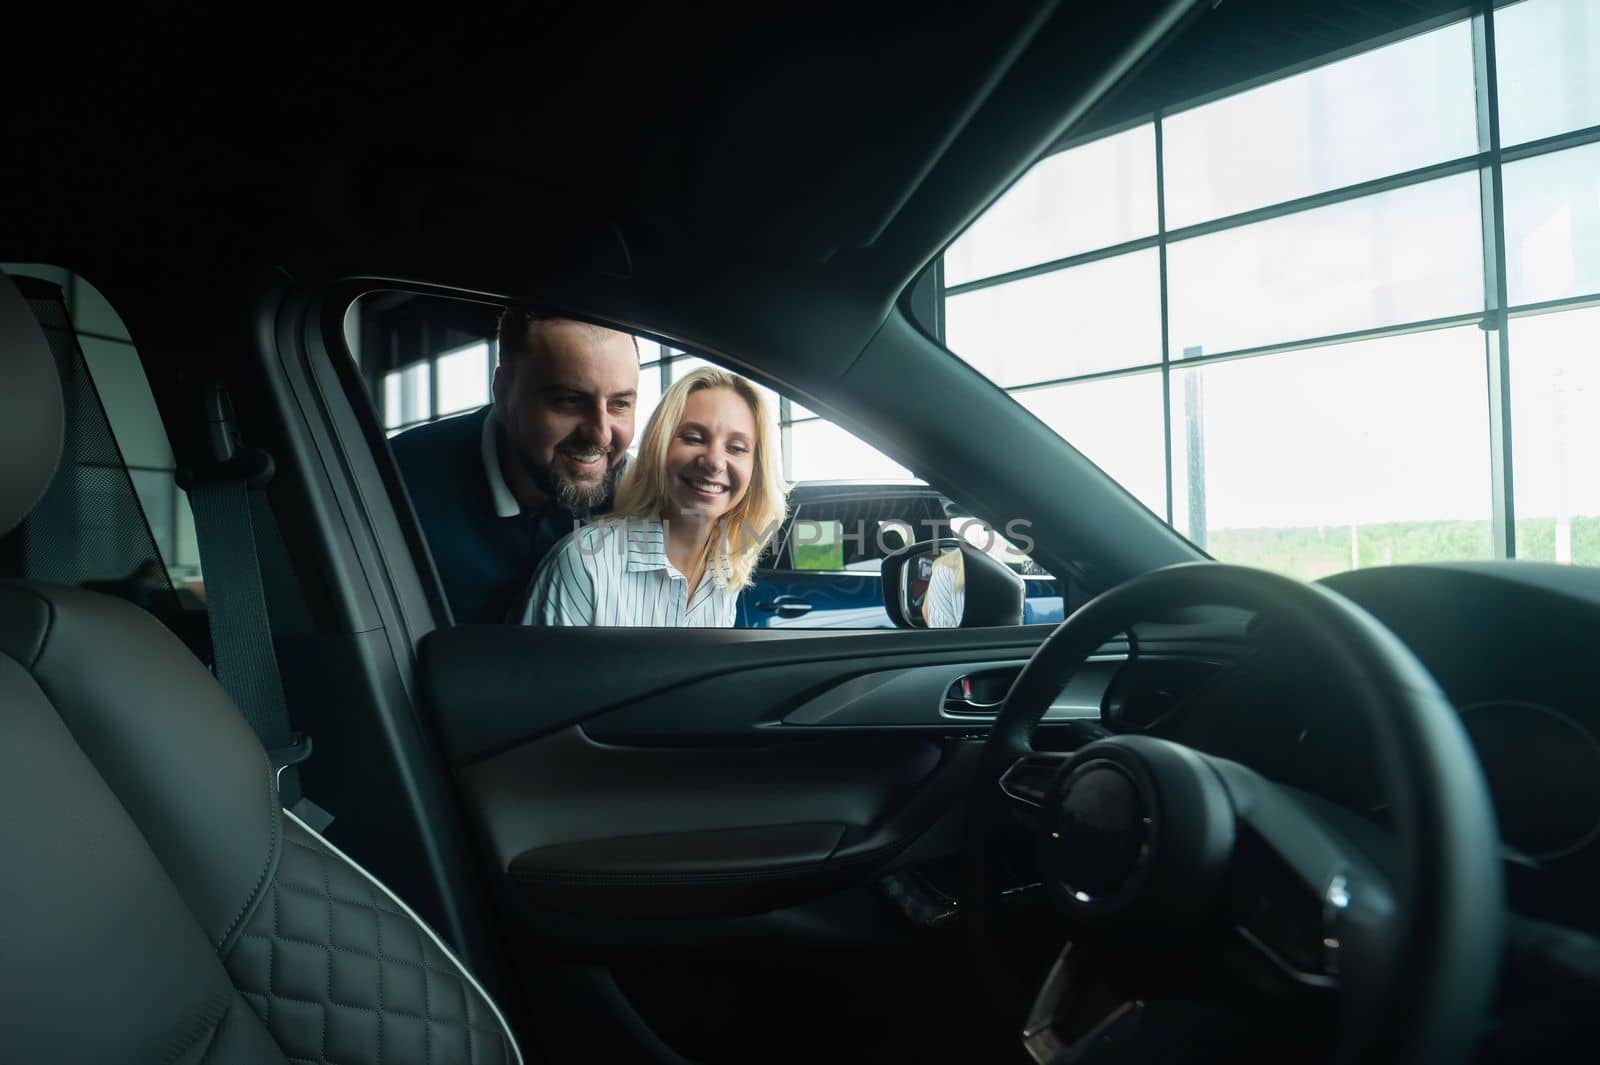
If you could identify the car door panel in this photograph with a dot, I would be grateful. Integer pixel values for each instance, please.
(667, 782)
(668, 774)
(586, 827)
(493, 687)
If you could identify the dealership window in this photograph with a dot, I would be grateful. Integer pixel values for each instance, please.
(424, 358)
(1555, 389)
(1276, 316)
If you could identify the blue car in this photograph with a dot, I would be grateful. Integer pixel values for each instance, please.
(823, 569)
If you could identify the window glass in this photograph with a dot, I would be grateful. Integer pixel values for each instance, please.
(1089, 197)
(1383, 112)
(463, 380)
(129, 405)
(92, 315)
(993, 543)
(820, 570)
(1355, 455)
(408, 396)
(1407, 255)
(816, 544)
(830, 533)
(1555, 428)
(93, 529)
(1552, 212)
(1116, 424)
(1104, 315)
(821, 451)
(649, 396)
(682, 365)
(1549, 51)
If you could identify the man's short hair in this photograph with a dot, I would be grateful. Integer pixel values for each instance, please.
(517, 320)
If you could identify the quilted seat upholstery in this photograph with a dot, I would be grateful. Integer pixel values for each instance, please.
(157, 904)
(341, 972)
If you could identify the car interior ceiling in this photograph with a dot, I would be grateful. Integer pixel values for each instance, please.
(673, 208)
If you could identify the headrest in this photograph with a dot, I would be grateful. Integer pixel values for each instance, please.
(31, 411)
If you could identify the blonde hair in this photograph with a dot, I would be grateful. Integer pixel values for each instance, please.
(744, 531)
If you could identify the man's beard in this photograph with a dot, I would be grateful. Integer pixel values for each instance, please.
(573, 495)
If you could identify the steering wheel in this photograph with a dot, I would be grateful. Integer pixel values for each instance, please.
(1178, 873)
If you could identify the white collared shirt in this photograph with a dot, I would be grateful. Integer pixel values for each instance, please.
(505, 504)
(616, 572)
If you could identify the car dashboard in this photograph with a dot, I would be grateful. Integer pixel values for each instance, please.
(1512, 645)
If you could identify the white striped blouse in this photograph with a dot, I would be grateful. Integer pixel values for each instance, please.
(945, 600)
(615, 572)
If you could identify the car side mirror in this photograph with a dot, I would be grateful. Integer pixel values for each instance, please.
(949, 584)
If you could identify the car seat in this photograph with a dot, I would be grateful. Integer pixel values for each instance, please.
(157, 903)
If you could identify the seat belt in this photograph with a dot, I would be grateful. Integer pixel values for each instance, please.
(242, 653)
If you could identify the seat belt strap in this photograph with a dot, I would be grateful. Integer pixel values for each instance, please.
(242, 652)
(241, 641)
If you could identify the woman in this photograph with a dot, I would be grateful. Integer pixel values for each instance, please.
(692, 514)
(945, 600)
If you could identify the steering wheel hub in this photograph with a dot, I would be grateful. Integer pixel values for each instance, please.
(1136, 826)
(1099, 835)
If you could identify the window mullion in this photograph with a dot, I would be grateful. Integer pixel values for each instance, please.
(1497, 348)
(1166, 338)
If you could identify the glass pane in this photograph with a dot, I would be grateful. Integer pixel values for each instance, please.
(1408, 255)
(53, 274)
(649, 350)
(1548, 53)
(158, 498)
(649, 396)
(1553, 225)
(685, 364)
(770, 398)
(130, 407)
(1089, 197)
(92, 314)
(1384, 112)
(1314, 462)
(817, 545)
(185, 567)
(1100, 316)
(1555, 436)
(821, 451)
(407, 396)
(463, 379)
(1116, 424)
(682, 365)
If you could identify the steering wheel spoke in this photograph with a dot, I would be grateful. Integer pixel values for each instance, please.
(1070, 1022)
(1028, 781)
(1301, 894)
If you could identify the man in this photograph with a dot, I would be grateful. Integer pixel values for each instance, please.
(496, 488)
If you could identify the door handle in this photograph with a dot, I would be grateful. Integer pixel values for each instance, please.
(786, 606)
(979, 693)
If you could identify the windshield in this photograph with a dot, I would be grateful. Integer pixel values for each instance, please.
(1271, 316)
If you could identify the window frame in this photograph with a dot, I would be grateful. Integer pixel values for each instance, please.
(1494, 316)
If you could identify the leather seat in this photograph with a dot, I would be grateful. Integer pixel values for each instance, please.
(157, 904)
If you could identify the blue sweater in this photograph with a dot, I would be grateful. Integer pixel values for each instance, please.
(485, 561)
